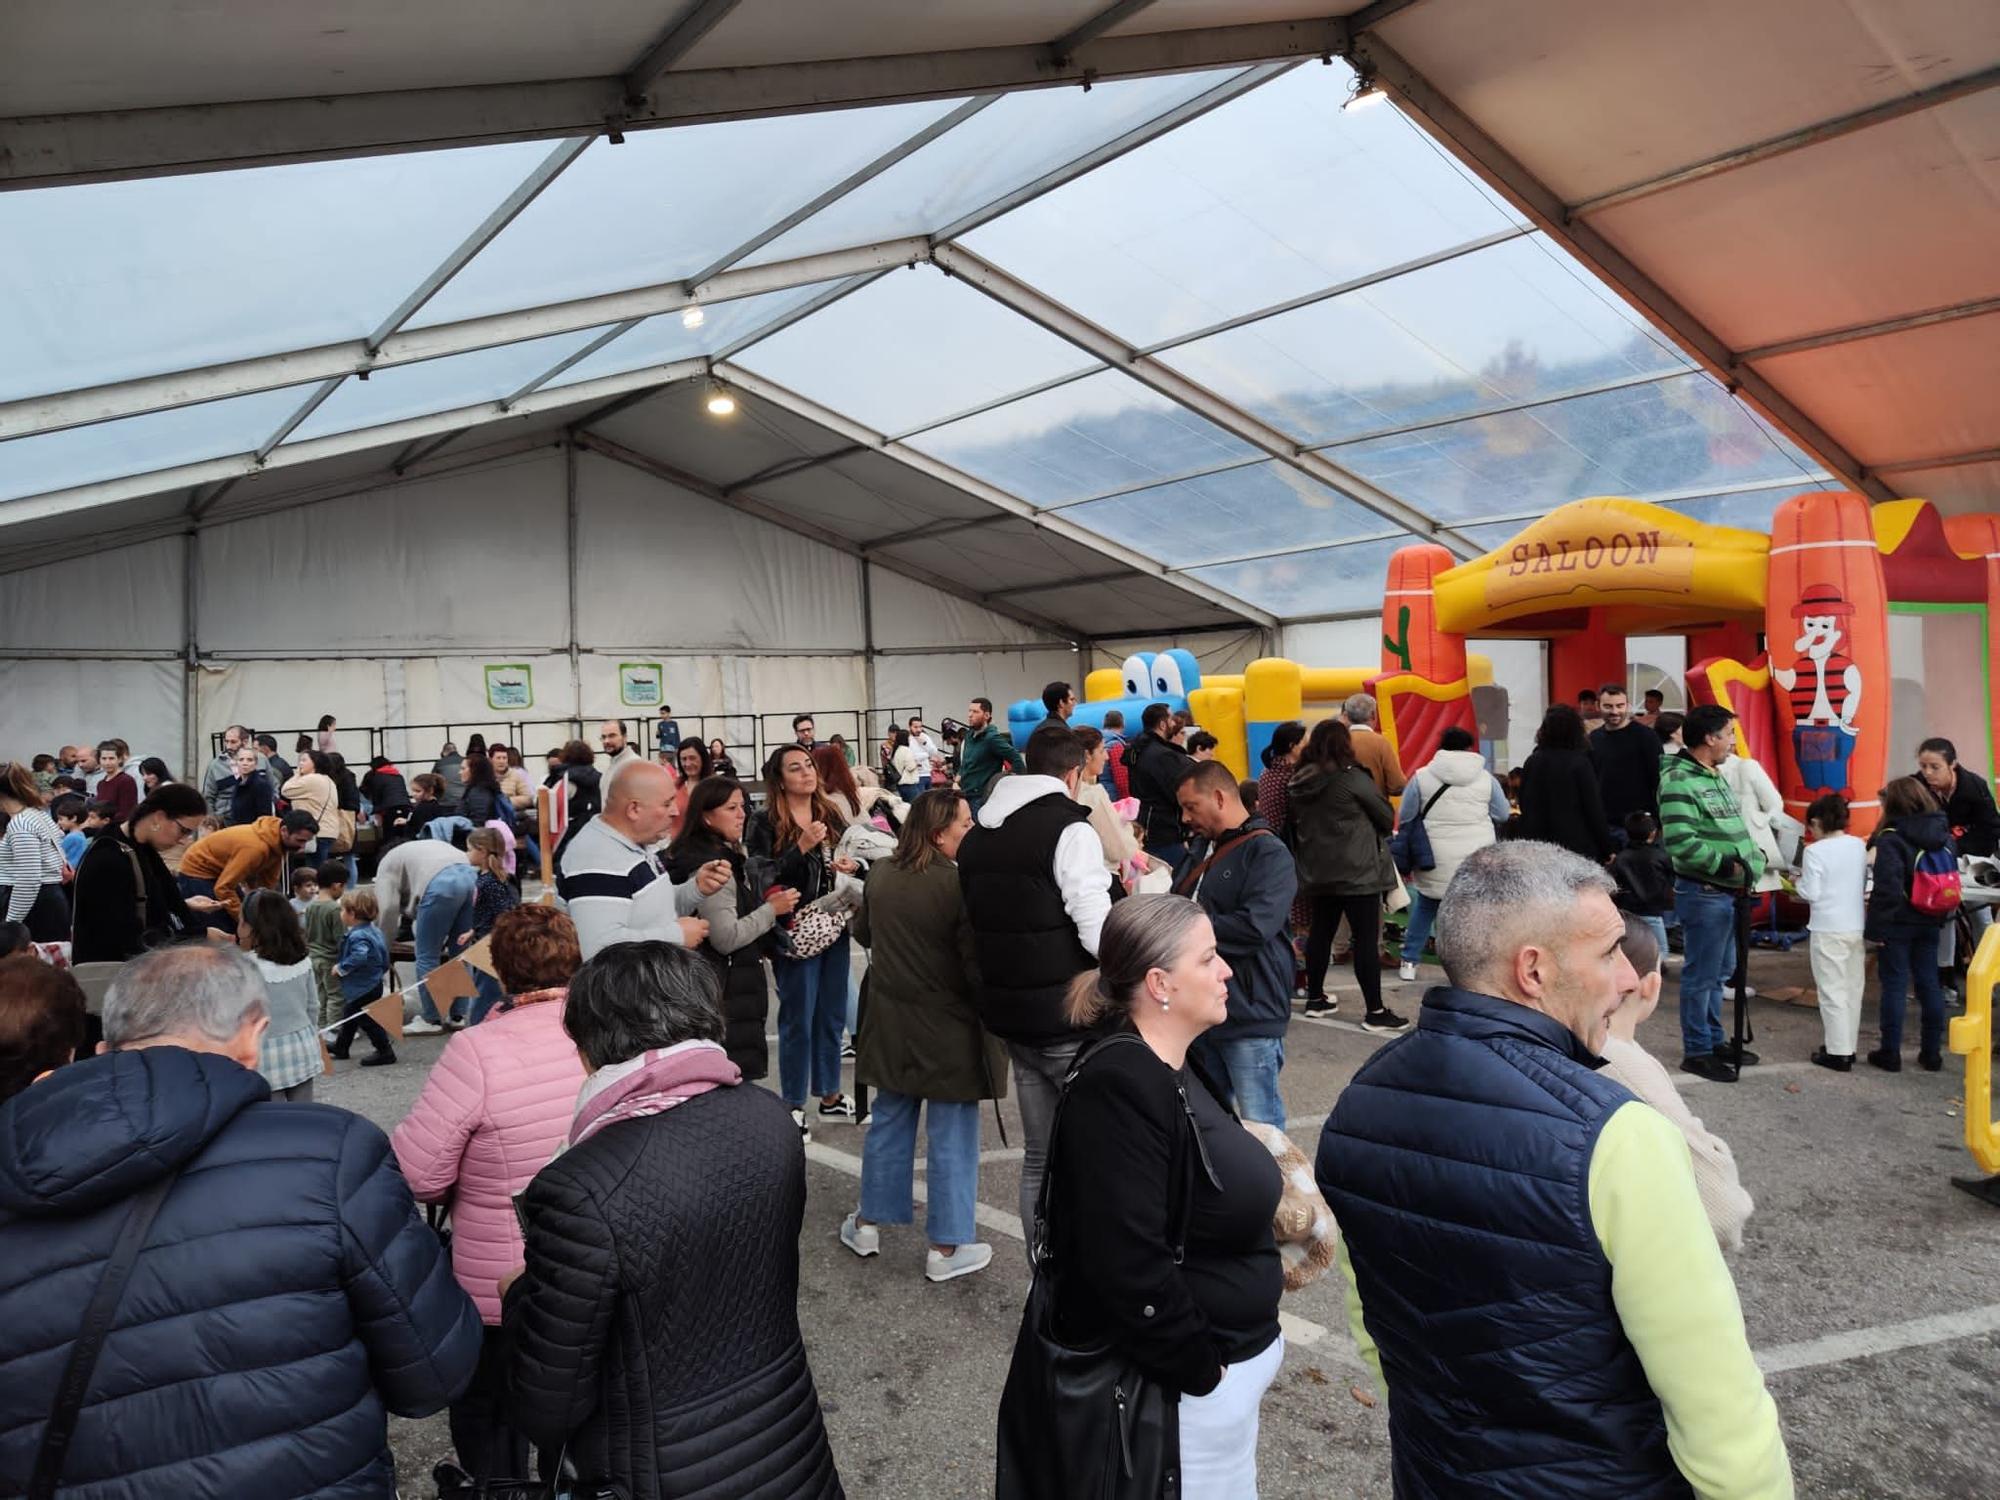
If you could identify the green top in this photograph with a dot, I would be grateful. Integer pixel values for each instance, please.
(1701, 825)
(1677, 1305)
(324, 930)
(981, 755)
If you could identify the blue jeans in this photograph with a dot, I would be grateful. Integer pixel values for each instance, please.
(812, 1008)
(1708, 956)
(1423, 912)
(443, 913)
(489, 995)
(1658, 927)
(888, 1163)
(1249, 1066)
(1911, 954)
(909, 791)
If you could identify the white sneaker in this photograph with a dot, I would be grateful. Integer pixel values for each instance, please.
(866, 1240)
(961, 1262)
(805, 1130)
(1407, 972)
(421, 1027)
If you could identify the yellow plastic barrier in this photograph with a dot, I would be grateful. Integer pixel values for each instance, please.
(1971, 1036)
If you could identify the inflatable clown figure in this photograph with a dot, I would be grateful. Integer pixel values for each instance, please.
(1823, 686)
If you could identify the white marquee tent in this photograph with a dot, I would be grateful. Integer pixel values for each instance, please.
(352, 350)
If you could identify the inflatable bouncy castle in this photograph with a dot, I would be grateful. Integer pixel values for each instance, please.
(1791, 631)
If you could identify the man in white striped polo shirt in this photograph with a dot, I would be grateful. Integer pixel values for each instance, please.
(611, 877)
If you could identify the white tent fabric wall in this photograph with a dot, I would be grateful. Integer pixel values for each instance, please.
(459, 560)
(908, 613)
(1335, 643)
(942, 685)
(125, 599)
(657, 562)
(46, 703)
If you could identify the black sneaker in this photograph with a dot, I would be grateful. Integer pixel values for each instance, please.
(1322, 1005)
(1727, 1052)
(379, 1059)
(840, 1107)
(1840, 1062)
(1383, 1020)
(1930, 1062)
(1709, 1065)
(1887, 1061)
(847, 1051)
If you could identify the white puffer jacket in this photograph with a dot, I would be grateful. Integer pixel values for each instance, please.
(1460, 821)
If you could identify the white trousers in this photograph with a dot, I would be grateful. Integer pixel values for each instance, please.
(1839, 968)
(1219, 1430)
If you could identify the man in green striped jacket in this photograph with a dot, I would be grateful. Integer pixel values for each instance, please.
(1713, 857)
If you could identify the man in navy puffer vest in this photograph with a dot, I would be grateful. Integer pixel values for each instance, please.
(1530, 1270)
(285, 1296)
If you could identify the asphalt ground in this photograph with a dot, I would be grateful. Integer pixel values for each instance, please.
(1870, 1286)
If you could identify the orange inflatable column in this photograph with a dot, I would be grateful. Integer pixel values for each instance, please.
(1424, 688)
(1588, 659)
(1827, 630)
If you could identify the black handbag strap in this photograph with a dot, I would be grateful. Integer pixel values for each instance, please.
(97, 1319)
(1425, 811)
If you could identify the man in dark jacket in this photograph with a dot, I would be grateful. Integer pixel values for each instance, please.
(1155, 765)
(984, 754)
(286, 1295)
(1245, 879)
(1032, 872)
(1626, 756)
(1549, 1311)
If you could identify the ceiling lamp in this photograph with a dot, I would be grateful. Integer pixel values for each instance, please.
(721, 403)
(694, 317)
(1365, 94)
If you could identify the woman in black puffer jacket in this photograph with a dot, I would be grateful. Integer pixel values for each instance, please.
(739, 918)
(655, 1326)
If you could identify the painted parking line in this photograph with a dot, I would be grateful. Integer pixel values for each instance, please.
(1303, 1333)
(1886, 1338)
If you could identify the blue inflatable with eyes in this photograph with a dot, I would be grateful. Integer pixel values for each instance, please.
(1150, 677)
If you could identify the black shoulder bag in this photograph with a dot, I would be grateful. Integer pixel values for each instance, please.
(1085, 1421)
(97, 1319)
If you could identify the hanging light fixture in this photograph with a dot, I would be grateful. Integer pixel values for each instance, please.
(720, 403)
(693, 316)
(1365, 94)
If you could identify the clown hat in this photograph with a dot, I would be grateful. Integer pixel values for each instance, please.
(1821, 599)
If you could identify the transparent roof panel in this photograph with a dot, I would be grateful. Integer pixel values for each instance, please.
(667, 337)
(112, 280)
(1272, 196)
(668, 203)
(1227, 514)
(436, 385)
(1331, 580)
(911, 348)
(1751, 510)
(143, 444)
(1509, 323)
(1681, 434)
(1011, 142)
(1105, 432)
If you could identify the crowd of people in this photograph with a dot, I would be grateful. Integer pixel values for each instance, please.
(1115, 931)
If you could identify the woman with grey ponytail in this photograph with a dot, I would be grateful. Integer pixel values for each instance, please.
(1158, 1205)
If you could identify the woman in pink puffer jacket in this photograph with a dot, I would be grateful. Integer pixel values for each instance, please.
(493, 1111)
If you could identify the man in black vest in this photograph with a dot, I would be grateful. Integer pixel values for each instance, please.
(1546, 1306)
(1154, 766)
(1032, 870)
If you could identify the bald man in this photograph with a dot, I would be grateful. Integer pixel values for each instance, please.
(612, 876)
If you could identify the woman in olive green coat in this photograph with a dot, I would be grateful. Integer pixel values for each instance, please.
(921, 1047)
(1341, 823)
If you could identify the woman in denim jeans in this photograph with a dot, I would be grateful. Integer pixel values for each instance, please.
(1912, 824)
(795, 832)
(921, 1047)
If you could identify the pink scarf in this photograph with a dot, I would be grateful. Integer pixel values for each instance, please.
(650, 1084)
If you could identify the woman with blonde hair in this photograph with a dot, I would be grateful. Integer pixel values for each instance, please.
(795, 833)
(1154, 1229)
(921, 1046)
